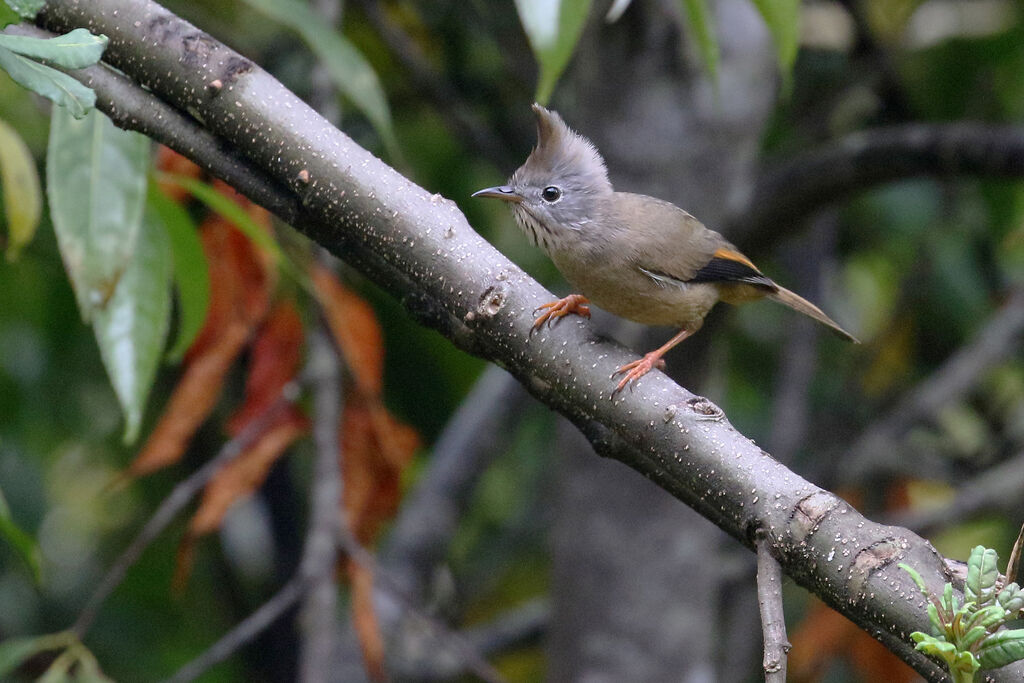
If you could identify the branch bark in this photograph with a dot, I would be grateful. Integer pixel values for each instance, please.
(773, 619)
(420, 247)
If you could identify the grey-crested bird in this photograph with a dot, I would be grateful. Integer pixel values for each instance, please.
(636, 256)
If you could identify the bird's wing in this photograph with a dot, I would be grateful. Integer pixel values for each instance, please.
(670, 245)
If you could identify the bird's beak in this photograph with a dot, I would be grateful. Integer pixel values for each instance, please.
(502, 192)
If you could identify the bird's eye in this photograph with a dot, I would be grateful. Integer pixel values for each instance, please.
(551, 194)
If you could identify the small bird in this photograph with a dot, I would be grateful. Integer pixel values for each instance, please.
(636, 256)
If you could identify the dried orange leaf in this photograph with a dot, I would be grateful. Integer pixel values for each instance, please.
(239, 298)
(355, 329)
(236, 480)
(372, 478)
(247, 472)
(274, 361)
(364, 620)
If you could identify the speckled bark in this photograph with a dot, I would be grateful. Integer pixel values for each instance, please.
(420, 247)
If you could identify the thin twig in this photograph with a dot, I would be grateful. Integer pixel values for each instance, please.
(178, 498)
(773, 618)
(319, 617)
(244, 632)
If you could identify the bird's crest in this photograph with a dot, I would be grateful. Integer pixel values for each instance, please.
(563, 153)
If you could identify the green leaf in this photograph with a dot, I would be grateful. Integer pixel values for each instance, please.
(22, 198)
(553, 28)
(702, 26)
(24, 545)
(783, 20)
(1001, 648)
(349, 69)
(1011, 598)
(96, 182)
(8, 16)
(982, 573)
(132, 328)
(987, 617)
(231, 211)
(916, 578)
(26, 9)
(75, 50)
(54, 85)
(191, 274)
(16, 651)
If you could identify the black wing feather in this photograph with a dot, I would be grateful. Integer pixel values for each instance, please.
(728, 270)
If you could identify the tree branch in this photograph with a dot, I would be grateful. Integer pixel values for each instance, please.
(839, 170)
(419, 247)
(318, 618)
(995, 341)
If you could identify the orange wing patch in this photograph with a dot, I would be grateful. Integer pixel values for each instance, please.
(731, 255)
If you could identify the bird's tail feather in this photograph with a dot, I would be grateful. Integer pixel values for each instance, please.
(802, 305)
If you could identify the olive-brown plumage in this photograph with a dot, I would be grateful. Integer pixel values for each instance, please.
(638, 257)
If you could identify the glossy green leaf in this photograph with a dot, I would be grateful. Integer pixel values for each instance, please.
(26, 9)
(783, 20)
(16, 651)
(75, 50)
(1001, 648)
(54, 85)
(132, 328)
(349, 69)
(191, 274)
(22, 198)
(96, 186)
(22, 543)
(982, 573)
(553, 28)
(702, 26)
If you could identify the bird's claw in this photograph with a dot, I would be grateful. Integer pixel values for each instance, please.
(553, 310)
(637, 369)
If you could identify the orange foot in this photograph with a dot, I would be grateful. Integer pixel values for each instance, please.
(574, 303)
(638, 369)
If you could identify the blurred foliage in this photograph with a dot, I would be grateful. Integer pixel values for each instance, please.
(918, 268)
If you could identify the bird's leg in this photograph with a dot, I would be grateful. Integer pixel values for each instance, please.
(574, 303)
(639, 368)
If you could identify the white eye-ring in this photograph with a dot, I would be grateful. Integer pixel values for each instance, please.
(551, 194)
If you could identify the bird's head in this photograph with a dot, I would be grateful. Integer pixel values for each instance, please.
(556, 194)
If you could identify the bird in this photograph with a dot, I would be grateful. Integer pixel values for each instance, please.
(639, 257)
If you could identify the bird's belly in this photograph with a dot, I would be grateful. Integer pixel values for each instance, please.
(630, 294)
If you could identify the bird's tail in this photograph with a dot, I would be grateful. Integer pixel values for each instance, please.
(802, 305)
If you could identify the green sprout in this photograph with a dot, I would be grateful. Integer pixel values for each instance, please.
(967, 637)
